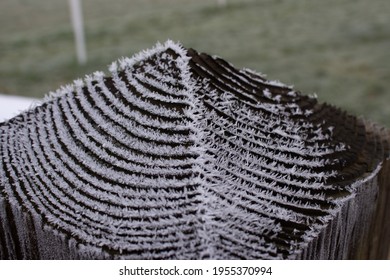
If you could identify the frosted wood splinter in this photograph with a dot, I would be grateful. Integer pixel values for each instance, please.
(176, 154)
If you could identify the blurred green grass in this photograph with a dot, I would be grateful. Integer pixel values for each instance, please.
(338, 49)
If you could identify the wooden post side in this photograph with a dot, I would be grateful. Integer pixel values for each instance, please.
(380, 231)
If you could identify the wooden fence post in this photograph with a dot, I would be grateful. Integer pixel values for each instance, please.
(178, 155)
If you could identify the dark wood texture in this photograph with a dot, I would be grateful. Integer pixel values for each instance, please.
(176, 154)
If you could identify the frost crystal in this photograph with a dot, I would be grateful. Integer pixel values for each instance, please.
(176, 154)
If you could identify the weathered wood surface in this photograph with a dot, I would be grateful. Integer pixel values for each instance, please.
(178, 155)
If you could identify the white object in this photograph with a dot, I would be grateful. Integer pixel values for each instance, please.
(11, 106)
(78, 29)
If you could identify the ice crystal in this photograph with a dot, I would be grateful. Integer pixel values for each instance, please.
(174, 154)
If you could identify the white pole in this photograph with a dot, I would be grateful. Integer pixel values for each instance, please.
(78, 29)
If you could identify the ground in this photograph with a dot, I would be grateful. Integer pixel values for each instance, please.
(336, 48)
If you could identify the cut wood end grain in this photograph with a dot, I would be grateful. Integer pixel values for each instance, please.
(176, 154)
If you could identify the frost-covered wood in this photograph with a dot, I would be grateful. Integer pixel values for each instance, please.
(178, 155)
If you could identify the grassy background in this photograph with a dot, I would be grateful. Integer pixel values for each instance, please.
(339, 49)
